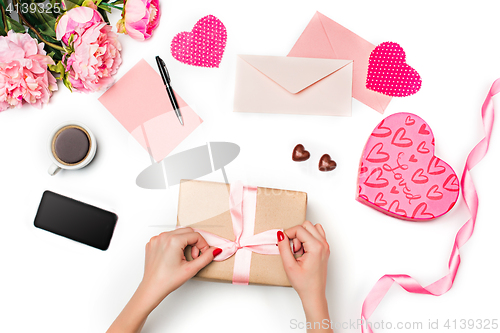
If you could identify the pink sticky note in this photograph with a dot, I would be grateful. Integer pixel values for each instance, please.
(140, 103)
(399, 174)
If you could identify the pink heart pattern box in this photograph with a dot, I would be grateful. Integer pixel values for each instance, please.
(399, 174)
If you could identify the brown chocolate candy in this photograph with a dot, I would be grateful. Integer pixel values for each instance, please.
(326, 163)
(300, 154)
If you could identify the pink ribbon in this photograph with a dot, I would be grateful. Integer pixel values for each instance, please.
(469, 194)
(242, 205)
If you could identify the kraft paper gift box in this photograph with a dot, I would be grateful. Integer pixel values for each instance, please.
(205, 206)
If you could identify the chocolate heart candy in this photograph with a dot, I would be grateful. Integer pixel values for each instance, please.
(300, 154)
(326, 163)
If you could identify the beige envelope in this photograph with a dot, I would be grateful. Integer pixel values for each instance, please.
(313, 86)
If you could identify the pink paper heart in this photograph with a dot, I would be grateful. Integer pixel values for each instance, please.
(203, 46)
(399, 167)
(389, 74)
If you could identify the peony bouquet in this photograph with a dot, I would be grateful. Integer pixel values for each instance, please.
(68, 40)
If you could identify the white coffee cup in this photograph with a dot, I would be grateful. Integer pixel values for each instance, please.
(57, 163)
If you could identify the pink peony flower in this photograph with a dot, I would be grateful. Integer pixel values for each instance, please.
(23, 72)
(95, 50)
(77, 20)
(139, 18)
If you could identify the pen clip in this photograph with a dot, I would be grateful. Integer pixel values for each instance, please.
(163, 70)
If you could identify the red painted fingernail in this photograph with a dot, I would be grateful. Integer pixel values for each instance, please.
(293, 248)
(281, 236)
(217, 251)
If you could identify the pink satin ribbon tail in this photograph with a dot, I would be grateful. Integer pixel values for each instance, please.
(469, 194)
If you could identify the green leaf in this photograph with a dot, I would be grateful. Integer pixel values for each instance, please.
(63, 74)
(72, 3)
(58, 54)
(3, 17)
(103, 7)
(42, 22)
(68, 84)
(58, 68)
(104, 15)
(32, 34)
(57, 8)
(14, 25)
(70, 39)
(53, 53)
(50, 39)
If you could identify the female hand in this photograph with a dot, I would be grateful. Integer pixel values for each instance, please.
(307, 274)
(166, 267)
(165, 270)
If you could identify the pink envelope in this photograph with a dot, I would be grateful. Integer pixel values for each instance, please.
(325, 38)
(140, 103)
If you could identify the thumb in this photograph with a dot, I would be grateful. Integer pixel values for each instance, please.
(285, 251)
(204, 259)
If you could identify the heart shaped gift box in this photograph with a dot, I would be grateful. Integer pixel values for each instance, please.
(399, 174)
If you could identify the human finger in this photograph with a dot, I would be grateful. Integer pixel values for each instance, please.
(312, 230)
(300, 233)
(194, 239)
(320, 229)
(195, 252)
(202, 260)
(286, 253)
(309, 242)
(297, 245)
(183, 230)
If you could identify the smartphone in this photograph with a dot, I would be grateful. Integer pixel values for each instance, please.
(75, 220)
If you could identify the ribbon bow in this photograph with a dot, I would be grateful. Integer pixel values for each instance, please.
(242, 206)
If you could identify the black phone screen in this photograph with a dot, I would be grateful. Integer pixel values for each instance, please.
(75, 220)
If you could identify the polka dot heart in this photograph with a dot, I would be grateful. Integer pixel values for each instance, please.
(203, 46)
(389, 74)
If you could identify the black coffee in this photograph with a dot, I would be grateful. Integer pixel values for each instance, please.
(71, 145)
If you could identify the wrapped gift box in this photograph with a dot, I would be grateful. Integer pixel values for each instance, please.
(205, 205)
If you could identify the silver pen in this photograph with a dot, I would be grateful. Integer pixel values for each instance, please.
(166, 81)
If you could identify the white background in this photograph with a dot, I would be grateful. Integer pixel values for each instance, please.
(51, 284)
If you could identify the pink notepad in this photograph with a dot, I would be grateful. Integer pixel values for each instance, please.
(140, 103)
